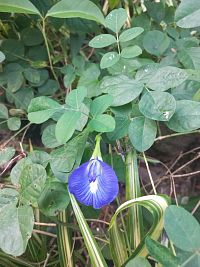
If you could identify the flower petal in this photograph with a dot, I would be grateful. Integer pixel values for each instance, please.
(79, 185)
(96, 191)
(107, 187)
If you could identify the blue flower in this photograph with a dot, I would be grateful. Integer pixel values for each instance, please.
(94, 183)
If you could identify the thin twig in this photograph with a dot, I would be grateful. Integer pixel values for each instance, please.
(175, 134)
(12, 137)
(44, 233)
(196, 207)
(149, 172)
(45, 224)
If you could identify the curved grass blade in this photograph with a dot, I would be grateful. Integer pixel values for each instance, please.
(95, 254)
(156, 205)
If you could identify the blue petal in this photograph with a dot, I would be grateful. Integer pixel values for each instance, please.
(94, 183)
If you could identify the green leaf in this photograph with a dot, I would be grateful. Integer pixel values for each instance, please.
(23, 98)
(15, 223)
(3, 111)
(76, 9)
(166, 78)
(18, 169)
(15, 80)
(182, 228)
(122, 88)
(158, 106)
(156, 10)
(75, 98)
(32, 75)
(89, 79)
(41, 109)
(131, 51)
(116, 19)
(102, 40)
(49, 88)
(102, 123)
(2, 57)
(68, 157)
(13, 49)
(22, 6)
(187, 14)
(32, 180)
(156, 205)
(186, 117)
(109, 59)
(100, 104)
(94, 251)
(155, 42)
(145, 73)
(39, 157)
(121, 128)
(142, 133)
(14, 123)
(189, 57)
(6, 154)
(70, 75)
(161, 253)
(138, 262)
(66, 125)
(49, 138)
(31, 36)
(54, 198)
(130, 34)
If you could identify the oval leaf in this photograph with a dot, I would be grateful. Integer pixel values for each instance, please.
(102, 123)
(188, 13)
(116, 19)
(142, 133)
(156, 43)
(109, 59)
(41, 109)
(166, 78)
(102, 40)
(76, 8)
(22, 6)
(66, 125)
(122, 88)
(186, 117)
(100, 104)
(131, 51)
(182, 228)
(130, 34)
(157, 105)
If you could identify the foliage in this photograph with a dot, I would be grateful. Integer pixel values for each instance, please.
(71, 70)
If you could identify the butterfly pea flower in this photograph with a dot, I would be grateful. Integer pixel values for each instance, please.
(94, 183)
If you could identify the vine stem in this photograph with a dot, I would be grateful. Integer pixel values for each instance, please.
(47, 47)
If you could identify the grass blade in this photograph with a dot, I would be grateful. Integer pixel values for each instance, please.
(134, 216)
(95, 254)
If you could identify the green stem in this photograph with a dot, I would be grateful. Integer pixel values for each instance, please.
(47, 47)
(97, 149)
(64, 242)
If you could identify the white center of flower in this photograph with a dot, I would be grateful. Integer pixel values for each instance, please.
(94, 187)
